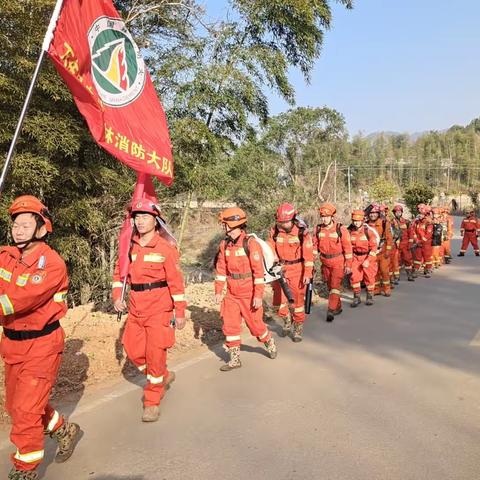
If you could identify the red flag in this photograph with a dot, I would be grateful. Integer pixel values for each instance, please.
(101, 64)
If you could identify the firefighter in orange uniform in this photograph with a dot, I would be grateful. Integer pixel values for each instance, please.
(437, 238)
(448, 226)
(332, 243)
(382, 227)
(470, 230)
(33, 290)
(364, 266)
(156, 305)
(406, 241)
(239, 266)
(293, 247)
(423, 229)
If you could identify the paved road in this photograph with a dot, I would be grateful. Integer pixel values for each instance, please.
(386, 392)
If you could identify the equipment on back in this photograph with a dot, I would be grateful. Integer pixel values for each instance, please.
(271, 271)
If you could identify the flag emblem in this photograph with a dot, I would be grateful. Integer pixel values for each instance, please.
(118, 70)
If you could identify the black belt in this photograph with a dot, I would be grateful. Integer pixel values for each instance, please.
(240, 276)
(358, 252)
(291, 262)
(141, 287)
(333, 255)
(29, 334)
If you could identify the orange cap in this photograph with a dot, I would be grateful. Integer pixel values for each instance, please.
(31, 204)
(233, 217)
(327, 210)
(358, 215)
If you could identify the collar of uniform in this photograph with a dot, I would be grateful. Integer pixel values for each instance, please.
(332, 225)
(34, 255)
(238, 239)
(151, 244)
(293, 232)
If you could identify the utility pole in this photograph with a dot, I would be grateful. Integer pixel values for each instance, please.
(349, 187)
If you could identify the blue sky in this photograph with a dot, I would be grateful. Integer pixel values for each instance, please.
(401, 65)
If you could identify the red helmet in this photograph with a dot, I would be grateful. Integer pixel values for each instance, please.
(145, 206)
(233, 217)
(285, 212)
(31, 204)
(375, 208)
(398, 208)
(358, 215)
(327, 210)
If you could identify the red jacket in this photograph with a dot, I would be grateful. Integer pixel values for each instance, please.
(289, 247)
(382, 226)
(244, 275)
(328, 244)
(33, 294)
(156, 262)
(423, 231)
(363, 241)
(471, 225)
(33, 289)
(407, 238)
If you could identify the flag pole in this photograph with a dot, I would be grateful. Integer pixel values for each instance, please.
(45, 46)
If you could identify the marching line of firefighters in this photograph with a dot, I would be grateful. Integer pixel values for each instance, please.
(34, 285)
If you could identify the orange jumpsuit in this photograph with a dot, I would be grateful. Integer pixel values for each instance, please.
(335, 254)
(447, 248)
(364, 246)
(423, 236)
(296, 256)
(405, 245)
(33, 292)
(244, 277)
(384, 231)
(149, 330)
(470, 229)
(395, 254)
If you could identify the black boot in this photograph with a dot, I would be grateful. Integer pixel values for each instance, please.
(410, 276)
(330, 316)
(461, 254)
(369, 300)
(356, 300)
(427, 273)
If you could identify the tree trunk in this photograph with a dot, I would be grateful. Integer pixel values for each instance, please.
(183, 223)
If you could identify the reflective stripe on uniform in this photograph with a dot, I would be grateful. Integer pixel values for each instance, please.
(232, 338)
(416, 262)
(60, 297)
(333, 235)
(155, 380)
(334, 291)
(134, 257)
(282, 305)
(7, 305)
(178, 298)
(385, 282)
(240, 252)
(31, 457)
(299, 309)
(309, 264)
(117, 285)
(315, 252)
(143, 367)
(293, 240)
(261, 337)
(153, 258)
(322, 235)
(373, 254)
(22, 280)
(348, 256)
(356, 285)
(220, 278)
(5, 275)
(53, 421)
(259, 281)
(389, 247)
(279, 240)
